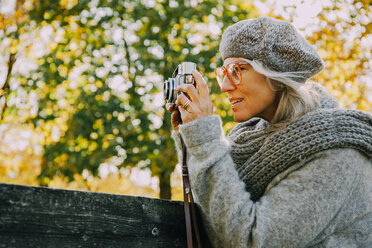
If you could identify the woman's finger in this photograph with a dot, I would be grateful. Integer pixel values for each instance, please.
(182, 100)
(201, 84)
(190, 90)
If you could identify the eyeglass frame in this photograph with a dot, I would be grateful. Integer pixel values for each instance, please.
(225, 72)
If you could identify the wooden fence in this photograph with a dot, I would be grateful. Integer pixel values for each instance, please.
(45, 217)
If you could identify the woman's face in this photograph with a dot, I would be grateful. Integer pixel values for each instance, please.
(253, 97)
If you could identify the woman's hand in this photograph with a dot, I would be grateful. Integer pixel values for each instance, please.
(195, 106)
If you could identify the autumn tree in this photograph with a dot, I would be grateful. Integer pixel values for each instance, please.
(99, 79)
(342, 33)
(10, 23)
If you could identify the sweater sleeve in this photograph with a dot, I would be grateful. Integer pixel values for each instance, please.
(291, 214)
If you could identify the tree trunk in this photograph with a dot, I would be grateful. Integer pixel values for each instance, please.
(165, 187)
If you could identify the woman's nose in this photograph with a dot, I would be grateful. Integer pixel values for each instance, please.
(227, 85)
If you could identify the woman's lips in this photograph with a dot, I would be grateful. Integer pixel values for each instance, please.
(236, 104)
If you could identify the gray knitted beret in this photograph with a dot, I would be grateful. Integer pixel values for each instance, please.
(274, 43)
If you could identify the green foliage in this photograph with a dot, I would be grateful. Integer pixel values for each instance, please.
(100, 79)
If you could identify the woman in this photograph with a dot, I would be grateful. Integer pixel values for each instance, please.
(296, 170)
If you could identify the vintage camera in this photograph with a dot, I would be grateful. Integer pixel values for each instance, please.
(182, 75)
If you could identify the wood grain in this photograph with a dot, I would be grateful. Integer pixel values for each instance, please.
(45, 217)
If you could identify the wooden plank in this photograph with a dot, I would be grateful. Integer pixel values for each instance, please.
(45, 217)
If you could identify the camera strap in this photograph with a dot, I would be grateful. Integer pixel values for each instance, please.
(189, 205)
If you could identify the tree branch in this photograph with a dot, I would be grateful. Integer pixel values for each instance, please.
(4, 92)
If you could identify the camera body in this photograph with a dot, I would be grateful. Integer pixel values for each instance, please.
(182, 75)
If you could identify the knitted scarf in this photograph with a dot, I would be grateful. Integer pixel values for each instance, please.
(260, 154)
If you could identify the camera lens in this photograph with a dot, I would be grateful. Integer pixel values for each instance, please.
(170, 90)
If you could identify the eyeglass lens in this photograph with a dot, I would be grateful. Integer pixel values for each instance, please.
(232, 71)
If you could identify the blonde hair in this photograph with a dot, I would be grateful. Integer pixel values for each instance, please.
(296, 98)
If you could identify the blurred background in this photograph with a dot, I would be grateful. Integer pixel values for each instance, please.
(81, 101)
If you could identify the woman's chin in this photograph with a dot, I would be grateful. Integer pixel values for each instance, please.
(238, 117)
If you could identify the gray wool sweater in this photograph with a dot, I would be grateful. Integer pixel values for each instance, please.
(324, 200)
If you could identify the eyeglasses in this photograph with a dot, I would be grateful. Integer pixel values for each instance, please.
(233, 72)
